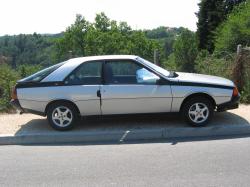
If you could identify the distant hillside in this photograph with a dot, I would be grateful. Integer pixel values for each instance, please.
(166, 36)
(40, 48)
(27, 49)
(163, 32)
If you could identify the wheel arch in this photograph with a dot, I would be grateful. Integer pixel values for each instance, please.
(198, 94)
(61, 100)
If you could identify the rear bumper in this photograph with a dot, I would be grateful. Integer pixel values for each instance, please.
(15, 103)
(233, 104)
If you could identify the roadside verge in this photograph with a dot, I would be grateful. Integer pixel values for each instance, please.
(31, 129)
(122, 136)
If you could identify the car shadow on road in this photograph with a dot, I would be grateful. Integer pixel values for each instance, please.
(132, 123)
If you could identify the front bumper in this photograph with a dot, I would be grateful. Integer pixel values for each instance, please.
(233, 104)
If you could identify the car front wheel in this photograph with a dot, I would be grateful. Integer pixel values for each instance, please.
(198, 111)
(62, 116)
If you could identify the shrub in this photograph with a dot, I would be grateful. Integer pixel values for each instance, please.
(8, 78)
(215, 65)
(26, 70)
(235, 30)
(223, 67)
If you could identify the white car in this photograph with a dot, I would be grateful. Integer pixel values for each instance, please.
(120, 84)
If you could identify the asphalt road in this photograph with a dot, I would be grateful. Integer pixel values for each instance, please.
(189, 163)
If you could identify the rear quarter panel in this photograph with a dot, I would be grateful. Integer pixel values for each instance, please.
(83, 96)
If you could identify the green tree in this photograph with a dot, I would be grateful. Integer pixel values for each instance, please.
(211, 14)
(185, 51)
(72, 42)
(104, 37)
(235, 30)
(102, 22)
(124, 28)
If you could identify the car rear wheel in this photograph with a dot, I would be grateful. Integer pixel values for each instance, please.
(198, 111)
(62, 116)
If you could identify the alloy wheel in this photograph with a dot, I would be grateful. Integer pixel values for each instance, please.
(198, 112)
(62, 116)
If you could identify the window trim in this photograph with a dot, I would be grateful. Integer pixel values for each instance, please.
(162, 80)
(79, 66)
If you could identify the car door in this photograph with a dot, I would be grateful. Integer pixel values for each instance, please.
(82, 86)
(132, 88)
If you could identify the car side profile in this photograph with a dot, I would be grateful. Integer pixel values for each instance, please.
(120, 84)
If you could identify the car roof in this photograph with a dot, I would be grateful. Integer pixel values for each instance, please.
(101, 57)
(69, 65)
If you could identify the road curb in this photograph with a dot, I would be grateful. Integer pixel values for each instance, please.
(189, 132)
(120, 136)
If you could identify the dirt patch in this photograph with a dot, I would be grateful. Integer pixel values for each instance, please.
(19, 124)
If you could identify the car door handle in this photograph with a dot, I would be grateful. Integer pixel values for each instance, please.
(98, 93)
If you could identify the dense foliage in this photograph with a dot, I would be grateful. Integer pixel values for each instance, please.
(211, 14)
(8, 78)
(213, 65)
(82, 38)
(235, 30)
(103, 37)
(185, 51)
(27, 49)
(166, 37)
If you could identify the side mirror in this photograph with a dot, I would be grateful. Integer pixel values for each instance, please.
(149, 80)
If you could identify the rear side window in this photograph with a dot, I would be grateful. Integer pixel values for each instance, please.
(89, 73)
(37, 77)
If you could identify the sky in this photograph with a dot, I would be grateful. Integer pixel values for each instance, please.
(54, 16)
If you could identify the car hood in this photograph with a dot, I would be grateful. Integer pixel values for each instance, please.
(205, 79)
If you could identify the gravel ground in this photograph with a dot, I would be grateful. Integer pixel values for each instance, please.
(19, 124)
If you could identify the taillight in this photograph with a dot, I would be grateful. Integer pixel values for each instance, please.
(235, 92)
(14, 93)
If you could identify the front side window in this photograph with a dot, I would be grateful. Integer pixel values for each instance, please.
(88, 73)
(128, 72)
(155, 67)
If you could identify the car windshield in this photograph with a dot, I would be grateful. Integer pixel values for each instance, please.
(155, 67)
(41, 74)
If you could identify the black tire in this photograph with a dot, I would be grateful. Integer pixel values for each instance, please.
(194, 117)
(62, 106)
